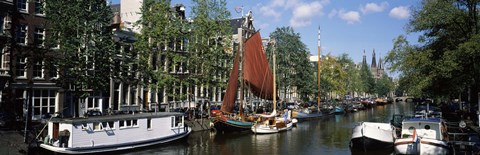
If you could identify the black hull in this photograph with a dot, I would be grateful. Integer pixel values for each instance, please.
(221, 126)
(365, 144)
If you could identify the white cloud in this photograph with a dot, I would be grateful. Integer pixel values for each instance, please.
(269, 11)
(303, 13)
(373, 7)
(401, 12)
(332, 13)
(351, 17)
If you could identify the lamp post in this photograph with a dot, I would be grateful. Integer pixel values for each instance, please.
(28, 112)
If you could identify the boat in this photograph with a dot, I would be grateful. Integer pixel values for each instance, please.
(255, 74)
(267, 124)
(113, 132)
(312, 113)
(423, 136)
(380, 101)
(339, 109)
(307, 114)
(372, 136)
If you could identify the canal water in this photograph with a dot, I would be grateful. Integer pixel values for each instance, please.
(328, 135)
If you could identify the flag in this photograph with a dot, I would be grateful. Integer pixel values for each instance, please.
(239, 9)
(415, 136)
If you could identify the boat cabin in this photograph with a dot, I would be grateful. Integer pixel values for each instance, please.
(430, 128)
(114, 130)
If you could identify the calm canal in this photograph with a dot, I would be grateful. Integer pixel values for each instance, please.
(329, 135)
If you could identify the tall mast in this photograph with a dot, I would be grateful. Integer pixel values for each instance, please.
(318, 70)
(274, 75)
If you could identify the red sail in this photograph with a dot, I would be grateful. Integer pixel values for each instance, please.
(257, 73)
(231, 93)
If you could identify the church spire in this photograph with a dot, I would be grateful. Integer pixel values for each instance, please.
(364, 61)
(374, 62)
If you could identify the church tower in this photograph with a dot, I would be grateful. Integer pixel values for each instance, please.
(373, 67)
(381, 70)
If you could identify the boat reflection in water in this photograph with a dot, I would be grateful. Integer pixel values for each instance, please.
(328, 135)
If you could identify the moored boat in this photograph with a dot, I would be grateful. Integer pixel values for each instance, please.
(423, 136)
(113, 132)
(255, 74)
(372, 136)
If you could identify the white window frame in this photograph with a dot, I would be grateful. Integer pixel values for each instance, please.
(52, 69)
(35, 70)
(5, 59)
(49, 98)
(23, 62)
(39, 35)
(37, 3)
(21, 3)
(22, 30)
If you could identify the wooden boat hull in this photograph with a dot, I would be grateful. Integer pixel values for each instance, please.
(268, 129)
(227, 125)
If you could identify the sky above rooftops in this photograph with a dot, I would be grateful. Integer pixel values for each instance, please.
(346, 26)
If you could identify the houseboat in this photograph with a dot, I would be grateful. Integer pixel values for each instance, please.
(113, 132)
(423, 136)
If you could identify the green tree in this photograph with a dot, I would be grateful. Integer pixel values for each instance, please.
(383, 86)
(446, 62)
(368, 82)
(210, 38)
(294, 68)
(352, 80)
(159, 46)
(81, 29)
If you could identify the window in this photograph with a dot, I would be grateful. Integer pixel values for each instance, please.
(5, 58)
(37, 70)
(20, 67)
(84, 126)
(43, 102)
(39, 7)
(97, 126)
(149, 123)
(22, 5)
(2, 23)
(52, 71)
(39, 36)
(121, 123)
(21, 34)
(111, 125)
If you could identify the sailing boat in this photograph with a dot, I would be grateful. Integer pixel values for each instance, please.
(312, 113)
(251, 66)
(270, 123)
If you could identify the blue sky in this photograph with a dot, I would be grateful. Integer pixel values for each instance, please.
(347, 26)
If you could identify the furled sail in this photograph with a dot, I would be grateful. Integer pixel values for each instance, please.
(231, 93)
(257, 73)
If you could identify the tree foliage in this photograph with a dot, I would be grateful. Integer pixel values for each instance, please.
(446, 61)
(81, 28)
(294, 68)
(210, 38)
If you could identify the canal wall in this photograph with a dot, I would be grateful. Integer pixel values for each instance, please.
(199, 124)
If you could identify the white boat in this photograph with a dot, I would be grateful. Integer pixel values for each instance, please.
(372, 136)
(113, 133)
(423, 136)
(272, 124)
